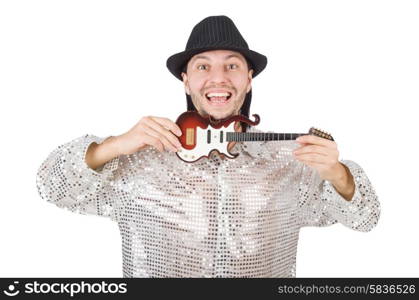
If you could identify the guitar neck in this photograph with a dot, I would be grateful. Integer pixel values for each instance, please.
(261, 136)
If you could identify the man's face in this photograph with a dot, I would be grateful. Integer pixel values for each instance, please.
(217, 82)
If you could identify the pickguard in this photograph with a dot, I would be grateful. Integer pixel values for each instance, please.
(203, 148)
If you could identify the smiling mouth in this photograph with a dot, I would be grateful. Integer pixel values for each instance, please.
(218, 98)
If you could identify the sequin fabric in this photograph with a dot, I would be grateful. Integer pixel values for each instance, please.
(212, 218)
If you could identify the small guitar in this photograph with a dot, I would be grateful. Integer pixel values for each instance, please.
(200, 136)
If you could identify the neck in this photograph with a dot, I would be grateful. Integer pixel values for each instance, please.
(237, 128)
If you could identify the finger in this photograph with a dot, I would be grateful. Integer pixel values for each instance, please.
(312, 158)
(168, 124)
(311, 149)
(167, 134)
(164, 131)
(150, 131)
(155, 142)
(312, 139)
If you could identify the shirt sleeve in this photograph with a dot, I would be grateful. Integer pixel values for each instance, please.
(65, 180)
(321, 205)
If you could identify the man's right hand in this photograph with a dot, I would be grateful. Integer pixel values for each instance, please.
(153, 131)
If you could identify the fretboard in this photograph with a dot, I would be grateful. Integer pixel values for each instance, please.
(261, 136)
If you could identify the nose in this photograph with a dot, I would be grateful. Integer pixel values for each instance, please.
(218, 75)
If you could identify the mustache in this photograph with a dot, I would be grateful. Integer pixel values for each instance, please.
(225, 87)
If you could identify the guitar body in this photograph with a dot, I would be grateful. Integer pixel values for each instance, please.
(201, 136)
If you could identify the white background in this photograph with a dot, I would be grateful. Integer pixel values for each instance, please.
(68, 68)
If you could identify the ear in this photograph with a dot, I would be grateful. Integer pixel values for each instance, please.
(249, 85)
(185, 82)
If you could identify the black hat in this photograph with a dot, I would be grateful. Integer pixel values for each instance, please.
(215, 33)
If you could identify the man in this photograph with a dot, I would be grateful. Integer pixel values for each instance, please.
(216, 217)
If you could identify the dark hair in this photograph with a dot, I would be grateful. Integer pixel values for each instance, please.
(244, 110)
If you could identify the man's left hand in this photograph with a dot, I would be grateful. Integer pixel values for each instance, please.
(323, 156)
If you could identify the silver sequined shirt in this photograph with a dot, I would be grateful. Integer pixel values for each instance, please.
(213, 218)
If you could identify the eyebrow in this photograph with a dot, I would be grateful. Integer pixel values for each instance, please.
(234, 55)
(227, 57)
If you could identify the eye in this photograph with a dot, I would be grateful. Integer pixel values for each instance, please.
(233, 66)
(202, 67)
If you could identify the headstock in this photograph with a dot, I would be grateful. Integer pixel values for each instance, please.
(320, 133)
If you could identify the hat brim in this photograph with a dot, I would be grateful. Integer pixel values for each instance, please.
(176, 62)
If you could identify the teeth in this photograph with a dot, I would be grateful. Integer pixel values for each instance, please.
(209, 95)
